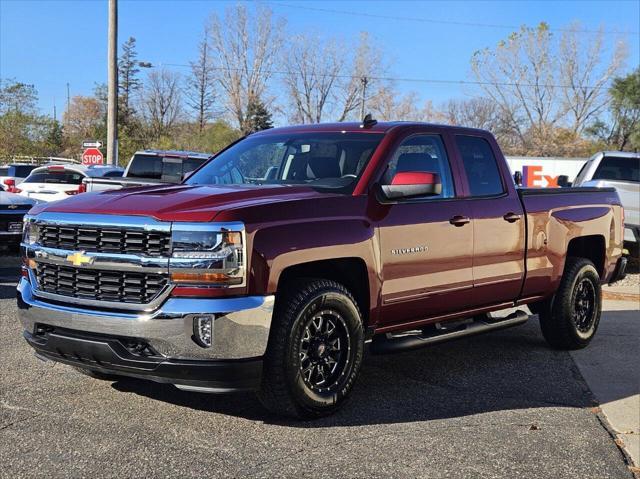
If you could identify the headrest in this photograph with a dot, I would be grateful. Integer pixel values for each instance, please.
(417, 162)
(323, 167)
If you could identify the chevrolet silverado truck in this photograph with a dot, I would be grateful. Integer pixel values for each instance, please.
(272, 266)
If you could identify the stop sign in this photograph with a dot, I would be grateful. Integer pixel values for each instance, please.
(92, 156)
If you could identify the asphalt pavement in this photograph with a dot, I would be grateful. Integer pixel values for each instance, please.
(502, 405)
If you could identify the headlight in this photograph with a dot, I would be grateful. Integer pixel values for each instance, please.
(209, 255)
(30, 231)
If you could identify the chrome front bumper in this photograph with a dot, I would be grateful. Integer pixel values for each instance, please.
(241, 325)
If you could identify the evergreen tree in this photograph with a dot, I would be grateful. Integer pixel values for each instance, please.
(258, 117)
(128, 81)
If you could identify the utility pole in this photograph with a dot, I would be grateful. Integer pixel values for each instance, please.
(363, 92)
(112, 103)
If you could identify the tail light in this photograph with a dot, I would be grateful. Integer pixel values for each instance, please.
(82, 188)
(11, 186)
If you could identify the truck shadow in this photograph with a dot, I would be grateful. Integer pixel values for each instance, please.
(510, 369)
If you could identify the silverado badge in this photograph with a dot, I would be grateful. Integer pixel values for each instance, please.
(79, 258)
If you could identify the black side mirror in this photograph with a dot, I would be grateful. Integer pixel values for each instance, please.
(563, 181)
(517, 178)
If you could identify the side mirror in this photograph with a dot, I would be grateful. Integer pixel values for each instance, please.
(409, 184)
(563, 181)
(517, 178)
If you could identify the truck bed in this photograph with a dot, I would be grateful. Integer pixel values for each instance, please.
(555, 217)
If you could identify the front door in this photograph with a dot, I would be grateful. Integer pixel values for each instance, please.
(426, 243)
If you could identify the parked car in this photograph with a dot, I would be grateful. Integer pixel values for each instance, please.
(620, 170)
(57, 182)
(13, 207)
(151, 167)
(271, 266)
(14, 174)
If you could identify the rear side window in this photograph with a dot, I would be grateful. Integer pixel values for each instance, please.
(56, 177)
(113, 174)
(4, 171)
(480, 165)
(618, 169)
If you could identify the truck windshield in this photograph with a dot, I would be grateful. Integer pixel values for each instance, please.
(323, 160)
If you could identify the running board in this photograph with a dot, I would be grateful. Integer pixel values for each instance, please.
(384, 344)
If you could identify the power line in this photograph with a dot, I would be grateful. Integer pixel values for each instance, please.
(438, 21)
(399, 79)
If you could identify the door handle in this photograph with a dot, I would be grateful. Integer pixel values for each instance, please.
(511, 217)
(459, 220)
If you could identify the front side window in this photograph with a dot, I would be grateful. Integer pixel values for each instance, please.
(480, 166)
(618, 169)
(423, 153)
(321, 160)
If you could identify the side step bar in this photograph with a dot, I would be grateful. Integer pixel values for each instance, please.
(384, 344)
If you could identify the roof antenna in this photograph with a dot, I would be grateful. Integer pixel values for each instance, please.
(368, 121)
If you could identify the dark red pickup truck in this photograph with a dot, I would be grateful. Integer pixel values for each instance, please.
(274, 264)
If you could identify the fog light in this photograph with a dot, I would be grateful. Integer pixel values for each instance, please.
(203, 330)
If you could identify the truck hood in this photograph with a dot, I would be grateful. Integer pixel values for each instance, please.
(177, 202)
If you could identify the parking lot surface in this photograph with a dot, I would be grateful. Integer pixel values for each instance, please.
(500, 405)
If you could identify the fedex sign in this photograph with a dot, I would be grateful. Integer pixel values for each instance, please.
(545, 172)
(532, 176)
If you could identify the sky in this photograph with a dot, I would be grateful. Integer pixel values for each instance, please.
(49, 43)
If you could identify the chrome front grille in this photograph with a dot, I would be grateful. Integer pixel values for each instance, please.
(107, 239)
(101, 285)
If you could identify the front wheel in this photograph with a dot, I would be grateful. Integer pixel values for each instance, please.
(315, 350)
(570, 319)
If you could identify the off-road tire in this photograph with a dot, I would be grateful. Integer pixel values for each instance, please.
(559, 316)
(285, 390)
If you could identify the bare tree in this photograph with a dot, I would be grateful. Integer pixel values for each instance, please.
(520, 75)
(476, 112)
(84, 117)
(161, 101)
(200, 84)
(388, 105)
(313, 76)
(582, 70)
(366, 64)
(245, 48)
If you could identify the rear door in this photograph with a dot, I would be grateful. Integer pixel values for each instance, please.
(499, 222)
(426, 258)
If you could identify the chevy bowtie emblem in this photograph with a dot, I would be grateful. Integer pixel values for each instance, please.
(12, 207)
(79, 258)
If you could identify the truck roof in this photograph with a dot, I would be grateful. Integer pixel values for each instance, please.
(379, 127)
(176, 153)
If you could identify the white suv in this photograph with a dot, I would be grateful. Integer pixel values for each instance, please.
(57, 182)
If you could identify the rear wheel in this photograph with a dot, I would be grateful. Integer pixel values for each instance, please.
(570, 319)
(315, 350)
